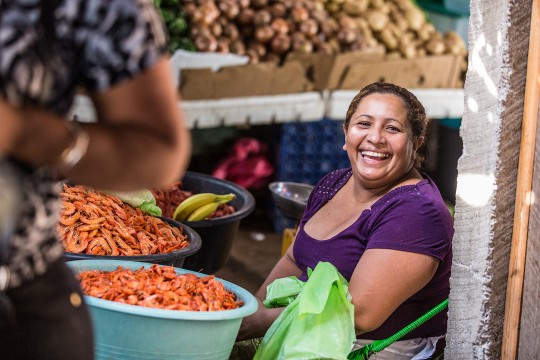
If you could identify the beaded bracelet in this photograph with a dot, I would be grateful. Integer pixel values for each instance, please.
(74, 153)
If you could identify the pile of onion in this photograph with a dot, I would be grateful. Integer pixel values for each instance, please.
(268, 30)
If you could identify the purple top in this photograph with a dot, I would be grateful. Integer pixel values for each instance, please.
(410, 218)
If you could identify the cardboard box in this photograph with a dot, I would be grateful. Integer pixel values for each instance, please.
(319, 72)
(244, 80)
(441, 71)
(327, 71)
(288, 237)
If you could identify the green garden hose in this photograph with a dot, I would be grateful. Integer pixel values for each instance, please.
(366, 351)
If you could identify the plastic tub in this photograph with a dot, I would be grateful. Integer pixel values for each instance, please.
(174, 258)
(217, 234)
(123, 331)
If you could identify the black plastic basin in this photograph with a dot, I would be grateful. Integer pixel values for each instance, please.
(217, 234)
(173, 258)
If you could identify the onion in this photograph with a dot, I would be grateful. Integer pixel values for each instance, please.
(237, 47)
(231, 31)
(262, 18)
(278, 10)
(309, 27)
(263, 34)
(280, 26)
(280, 43)
(259, 4)
(245, 17)
(299, 14)
(229, 8)
(206, 43)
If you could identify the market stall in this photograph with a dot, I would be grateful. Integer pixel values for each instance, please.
(272, 63)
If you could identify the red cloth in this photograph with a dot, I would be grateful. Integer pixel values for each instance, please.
(247, 165)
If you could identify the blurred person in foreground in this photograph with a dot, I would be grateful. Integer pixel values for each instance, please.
(384, 225)
(115, 50)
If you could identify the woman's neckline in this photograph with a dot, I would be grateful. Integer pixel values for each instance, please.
(391, 192)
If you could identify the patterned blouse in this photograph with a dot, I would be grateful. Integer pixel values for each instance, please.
(94, 44)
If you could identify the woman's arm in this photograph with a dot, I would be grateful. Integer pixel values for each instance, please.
(286, 266)
(256, 325)
(383, 280)
(139, 141)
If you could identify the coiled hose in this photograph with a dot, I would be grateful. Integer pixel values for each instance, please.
(366, 351)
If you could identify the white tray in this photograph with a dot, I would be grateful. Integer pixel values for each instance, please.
(310, 106)
(439, 103)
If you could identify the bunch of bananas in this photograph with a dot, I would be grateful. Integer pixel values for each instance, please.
(199, 206)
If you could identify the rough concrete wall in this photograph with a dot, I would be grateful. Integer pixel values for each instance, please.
(529, 346)
(487, 171)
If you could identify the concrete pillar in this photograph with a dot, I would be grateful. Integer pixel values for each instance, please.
(487, 171)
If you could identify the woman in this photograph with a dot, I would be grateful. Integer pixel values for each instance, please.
(382, 223)
(114, 50)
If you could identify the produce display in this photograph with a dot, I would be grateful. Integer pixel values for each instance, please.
(94, 222)
(399, 25)
(172, 199)
(159, 287)
(200, 206)
(269, 30)
(174, 17)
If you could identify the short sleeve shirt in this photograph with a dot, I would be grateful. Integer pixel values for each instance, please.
(409, 218)
(93, 44)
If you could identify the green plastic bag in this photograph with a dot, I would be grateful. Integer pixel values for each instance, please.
(282, 292)
(317, 324)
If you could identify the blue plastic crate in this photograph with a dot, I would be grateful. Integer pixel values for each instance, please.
(309, 150)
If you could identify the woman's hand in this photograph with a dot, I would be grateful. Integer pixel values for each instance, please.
(256, 325)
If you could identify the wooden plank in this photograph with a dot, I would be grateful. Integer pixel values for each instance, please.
(523, 194)
(529, 327)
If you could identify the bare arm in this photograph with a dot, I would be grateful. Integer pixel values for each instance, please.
(256, 325)
(384, 279)
(140, 139)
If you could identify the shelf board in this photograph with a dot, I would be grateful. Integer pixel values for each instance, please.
(264, 110)
(439, 103)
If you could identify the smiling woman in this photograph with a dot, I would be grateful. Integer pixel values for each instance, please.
(384, 225)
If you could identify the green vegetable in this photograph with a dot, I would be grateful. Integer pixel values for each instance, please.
(178, 26)
(142, 199)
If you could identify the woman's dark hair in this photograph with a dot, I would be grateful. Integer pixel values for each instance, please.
(416, 114)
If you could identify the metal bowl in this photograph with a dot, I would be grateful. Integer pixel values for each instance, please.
(290, 197)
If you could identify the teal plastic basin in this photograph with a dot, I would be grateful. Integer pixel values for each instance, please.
(124, 331)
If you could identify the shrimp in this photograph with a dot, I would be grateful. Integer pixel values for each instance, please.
(100, 215)
(123, 247)
(77, 243)
(69, 220)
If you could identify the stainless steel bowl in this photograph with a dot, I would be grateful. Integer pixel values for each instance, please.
(290, 197)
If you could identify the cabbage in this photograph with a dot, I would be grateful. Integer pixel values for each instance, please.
(142, 199)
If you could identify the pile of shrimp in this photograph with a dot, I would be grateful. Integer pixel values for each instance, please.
(93, 222)
(159, 287)
(169, 198)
